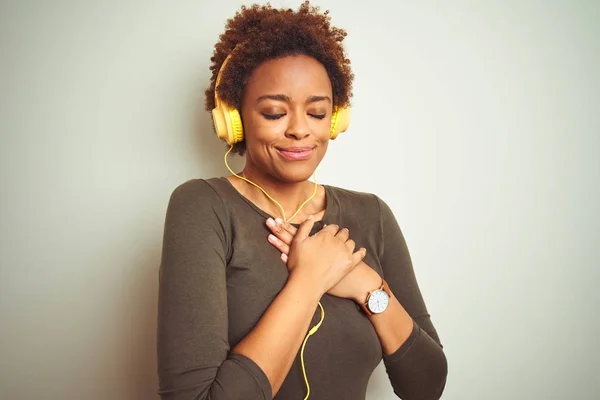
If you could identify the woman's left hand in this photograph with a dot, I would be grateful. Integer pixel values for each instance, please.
(356, 285)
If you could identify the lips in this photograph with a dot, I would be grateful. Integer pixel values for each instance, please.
(296, 153)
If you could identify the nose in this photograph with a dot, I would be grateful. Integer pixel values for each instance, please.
(298, 127)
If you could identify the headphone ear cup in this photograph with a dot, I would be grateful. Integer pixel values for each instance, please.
(228, 124)
(340, 120)
(220, 124)
(237, 130)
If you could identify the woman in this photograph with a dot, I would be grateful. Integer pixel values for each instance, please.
(240, 287)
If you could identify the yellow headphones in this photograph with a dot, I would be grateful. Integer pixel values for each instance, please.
(228, 122)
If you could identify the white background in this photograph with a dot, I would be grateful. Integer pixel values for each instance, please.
(477, 121)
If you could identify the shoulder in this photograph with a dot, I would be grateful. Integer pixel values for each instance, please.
(194, 190)
(363, 204)
(196, 215)
(355, 200)
(197, 195)
(203, 188)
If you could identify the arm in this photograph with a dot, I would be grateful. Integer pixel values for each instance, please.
(413, 356)
(414, 359)
(316, 263)
(194, 359)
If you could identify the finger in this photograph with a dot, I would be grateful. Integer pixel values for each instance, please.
(279, 231)
(305, 228)
(343, 234)
(332, 229)
(287, 226)
(279, 245)
(350, 245)
(359, 255)
(278, 227)
(284, 258)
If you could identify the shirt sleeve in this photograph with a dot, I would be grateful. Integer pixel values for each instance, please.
(418, 369)
(194, 358)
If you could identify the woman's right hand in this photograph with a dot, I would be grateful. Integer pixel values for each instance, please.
(322, 260)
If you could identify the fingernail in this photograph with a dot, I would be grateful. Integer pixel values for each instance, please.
(284, 257)
(272, 238)
(279, 221)
(270, 222)
(309, 217)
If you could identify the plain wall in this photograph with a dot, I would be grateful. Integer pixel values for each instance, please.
(477, 121)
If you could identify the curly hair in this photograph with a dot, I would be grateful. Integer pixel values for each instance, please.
(259, 33)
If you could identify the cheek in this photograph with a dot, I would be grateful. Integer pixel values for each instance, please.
(259, 131)
(323, 148)
(320, 130)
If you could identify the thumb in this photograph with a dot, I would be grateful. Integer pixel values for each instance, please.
(305, 228)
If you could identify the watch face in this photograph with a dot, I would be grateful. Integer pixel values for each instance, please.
(378, 301)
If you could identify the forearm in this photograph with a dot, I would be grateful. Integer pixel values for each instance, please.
(393, 326)
(276, 339)
(415, 363)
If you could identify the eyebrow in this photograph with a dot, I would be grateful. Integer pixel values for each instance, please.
(314, 99)
(283, 97)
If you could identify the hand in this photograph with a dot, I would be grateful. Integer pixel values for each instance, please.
(355, 285)
(322, 260)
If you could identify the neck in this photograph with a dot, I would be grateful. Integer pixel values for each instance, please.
(290, 195)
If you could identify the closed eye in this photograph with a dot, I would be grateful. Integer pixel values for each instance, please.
(272, 116)
(277, 116)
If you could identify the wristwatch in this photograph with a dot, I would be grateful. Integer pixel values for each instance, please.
(377, 300)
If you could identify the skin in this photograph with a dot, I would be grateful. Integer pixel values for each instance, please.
(300, 93)
(393, 326)
(287, 103)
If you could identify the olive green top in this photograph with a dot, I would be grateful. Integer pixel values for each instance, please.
(219, 274)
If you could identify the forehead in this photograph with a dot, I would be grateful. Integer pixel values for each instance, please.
(294, 76)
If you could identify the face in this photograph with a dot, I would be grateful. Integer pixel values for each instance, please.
(286, 114)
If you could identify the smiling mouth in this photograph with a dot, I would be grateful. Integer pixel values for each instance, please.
(296, 153)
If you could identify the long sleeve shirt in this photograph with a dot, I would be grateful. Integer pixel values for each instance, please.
(219, 274)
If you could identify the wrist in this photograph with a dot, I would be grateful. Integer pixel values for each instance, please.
(370, 281)
(305, 287)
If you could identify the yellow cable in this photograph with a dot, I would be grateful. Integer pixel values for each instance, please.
(318, 325)
(267, 194)
(310, 333)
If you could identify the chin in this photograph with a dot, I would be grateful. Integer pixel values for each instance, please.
(296, 173)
